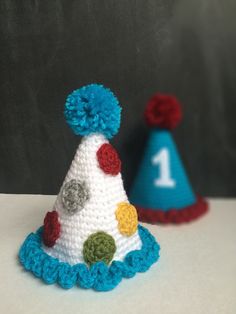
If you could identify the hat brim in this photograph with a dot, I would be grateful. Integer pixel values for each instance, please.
(99, 276)
(174, 216)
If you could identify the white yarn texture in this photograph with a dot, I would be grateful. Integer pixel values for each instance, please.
(105, 193)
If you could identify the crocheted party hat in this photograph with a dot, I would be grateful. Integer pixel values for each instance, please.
(91, 238)
(161, 191)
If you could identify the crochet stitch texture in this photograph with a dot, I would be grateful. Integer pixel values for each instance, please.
(163, 111)
(161, 191)
(74, 195)
(99, 247)
(105, 193)
(93, 109)
(127, 218)
(91, 238)
(99, 276)
(52, 228)
(176, 216)
(108, 159)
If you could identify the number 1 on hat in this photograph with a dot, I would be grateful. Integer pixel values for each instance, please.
(162, 159)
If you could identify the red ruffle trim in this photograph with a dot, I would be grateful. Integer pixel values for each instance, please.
(175, 216)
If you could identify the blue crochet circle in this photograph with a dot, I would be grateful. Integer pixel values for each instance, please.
(99, 276)
(93, 109)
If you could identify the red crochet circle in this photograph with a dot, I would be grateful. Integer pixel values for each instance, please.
(51, 229)
(176, 216)
(163, 111)
(108, 159)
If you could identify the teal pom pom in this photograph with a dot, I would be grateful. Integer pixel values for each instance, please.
(93, 109)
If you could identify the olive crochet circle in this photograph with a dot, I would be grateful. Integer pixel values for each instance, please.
(99, 247)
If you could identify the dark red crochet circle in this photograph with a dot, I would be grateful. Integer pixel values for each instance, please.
(163, 111)
(51, 229)
(108, 159)
(174, 216)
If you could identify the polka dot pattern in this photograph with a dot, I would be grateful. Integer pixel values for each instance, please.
(51, 229)
(99, 247)
(97, 214)
(108, 159)
(127, 218)
(74, 196)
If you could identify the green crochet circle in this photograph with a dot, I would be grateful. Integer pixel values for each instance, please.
(99, 247)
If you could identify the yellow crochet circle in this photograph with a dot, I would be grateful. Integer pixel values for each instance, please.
(127, 218)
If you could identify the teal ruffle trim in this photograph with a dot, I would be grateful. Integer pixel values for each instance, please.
(99, 276)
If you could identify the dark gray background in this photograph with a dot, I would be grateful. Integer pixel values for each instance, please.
(49, 48)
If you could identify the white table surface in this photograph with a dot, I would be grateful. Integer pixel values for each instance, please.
(196, 273)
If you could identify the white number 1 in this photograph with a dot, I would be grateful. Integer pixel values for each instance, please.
(162, 158)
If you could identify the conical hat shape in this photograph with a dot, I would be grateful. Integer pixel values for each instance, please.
(161, 190)
(105, 193)
(91, 237)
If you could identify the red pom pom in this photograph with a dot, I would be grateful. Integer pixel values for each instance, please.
(51, 229)
(108, 159)
(163, 111)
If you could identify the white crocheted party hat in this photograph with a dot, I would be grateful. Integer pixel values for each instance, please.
(91, 237)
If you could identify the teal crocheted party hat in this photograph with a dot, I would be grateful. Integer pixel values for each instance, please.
(162, 191)
(91, 238)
